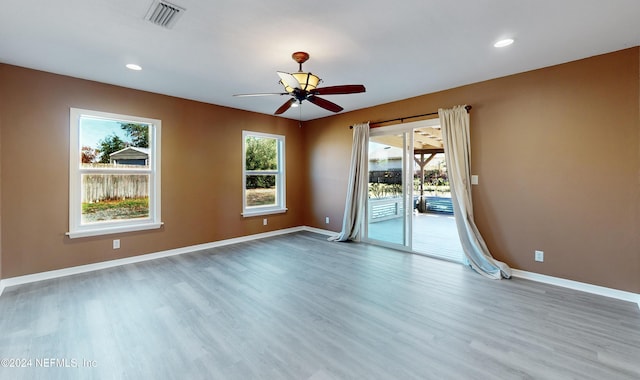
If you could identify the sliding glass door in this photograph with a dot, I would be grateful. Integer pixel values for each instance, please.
(389, 207)
(409, 203)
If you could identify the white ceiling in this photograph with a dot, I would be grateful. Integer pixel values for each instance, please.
(397, 49)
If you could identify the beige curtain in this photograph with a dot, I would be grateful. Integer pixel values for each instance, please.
(457, 150)
(356, 203)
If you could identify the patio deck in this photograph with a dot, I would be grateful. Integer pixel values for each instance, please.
(434, 234)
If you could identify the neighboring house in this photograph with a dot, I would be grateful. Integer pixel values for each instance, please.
(383, 159)
(130, 156)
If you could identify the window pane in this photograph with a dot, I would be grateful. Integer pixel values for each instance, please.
(108, 197)
(109, 143)
(261, 153)
(261, 190)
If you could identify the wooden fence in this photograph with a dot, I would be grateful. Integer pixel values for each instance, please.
(102, 187)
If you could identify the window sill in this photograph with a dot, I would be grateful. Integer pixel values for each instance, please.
(112, 230)
(249, 214)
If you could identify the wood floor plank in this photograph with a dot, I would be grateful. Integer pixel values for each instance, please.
(299, 307)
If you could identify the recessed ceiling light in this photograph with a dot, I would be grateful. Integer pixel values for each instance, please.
(133, 66)
(503, 43)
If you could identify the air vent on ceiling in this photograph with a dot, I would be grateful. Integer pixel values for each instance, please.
(164, 13)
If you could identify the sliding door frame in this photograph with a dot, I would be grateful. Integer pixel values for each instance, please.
(406, 129)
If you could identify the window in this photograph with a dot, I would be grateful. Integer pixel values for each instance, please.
(263, 174)
(114, 173)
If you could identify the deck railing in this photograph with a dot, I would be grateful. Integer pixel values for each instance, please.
(392, 207)
(385, 208)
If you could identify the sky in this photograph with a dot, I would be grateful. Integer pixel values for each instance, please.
(94, 130)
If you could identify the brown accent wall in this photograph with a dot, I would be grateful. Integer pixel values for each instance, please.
(557, 151)
(201, 171)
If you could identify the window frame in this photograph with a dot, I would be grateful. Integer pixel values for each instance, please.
(281, 204)
(76, 228)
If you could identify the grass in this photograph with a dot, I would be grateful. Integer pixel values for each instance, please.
(116, 209)
(261, 197)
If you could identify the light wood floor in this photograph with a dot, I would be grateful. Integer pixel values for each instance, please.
(299, 307)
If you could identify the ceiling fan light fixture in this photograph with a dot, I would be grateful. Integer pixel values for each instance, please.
(307, 82)
(304, 86)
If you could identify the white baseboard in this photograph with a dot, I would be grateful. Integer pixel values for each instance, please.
(594, 289)
(319, 231)
(581, 286)
(136, 259)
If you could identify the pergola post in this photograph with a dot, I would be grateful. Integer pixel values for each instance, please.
(422, 207)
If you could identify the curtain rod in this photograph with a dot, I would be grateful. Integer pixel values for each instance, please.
(402, 119)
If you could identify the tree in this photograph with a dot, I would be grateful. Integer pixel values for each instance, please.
(109, 145)
(139, 134)
(261, 154)
(88, 154)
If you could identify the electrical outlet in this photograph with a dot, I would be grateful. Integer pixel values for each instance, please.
(326, 220)
(264, 221)
(116, 244)
(539, 256)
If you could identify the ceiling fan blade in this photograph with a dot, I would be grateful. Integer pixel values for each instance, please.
(289, 80)
(324, 104)
(285, 106)
(339, 90)
(263, 94)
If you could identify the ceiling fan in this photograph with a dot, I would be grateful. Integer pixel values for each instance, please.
(304, 86)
